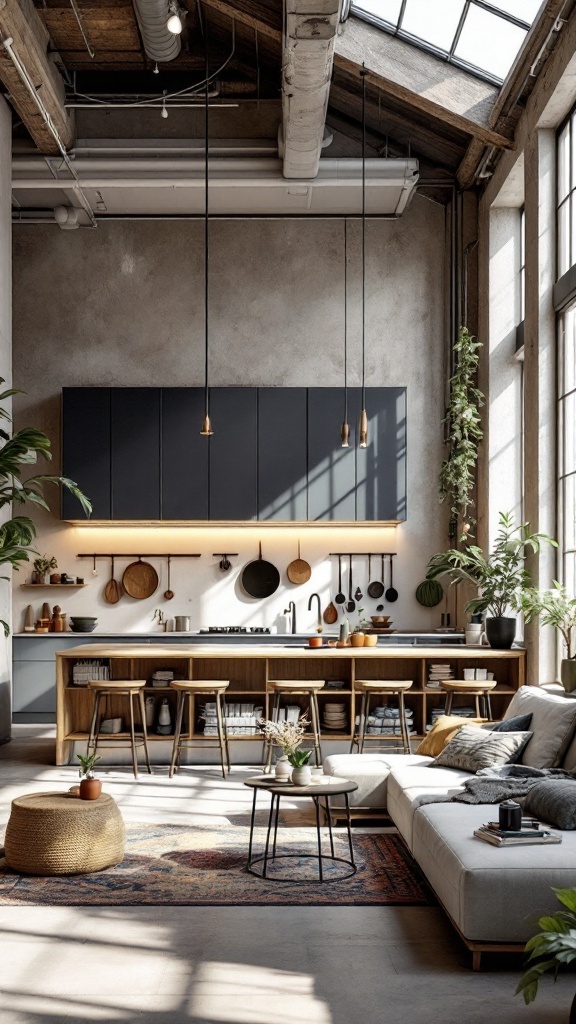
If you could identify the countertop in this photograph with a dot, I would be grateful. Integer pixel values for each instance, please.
(281, 650)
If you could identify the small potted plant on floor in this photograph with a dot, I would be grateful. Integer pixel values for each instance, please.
(287, 736)
(90, 787)
(552, 948)
(500, 578)
(558, 609)
(42, 566)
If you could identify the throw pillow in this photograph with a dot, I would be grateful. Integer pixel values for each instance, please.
(444, 728)
(553, 801)
(553, 724)
(519, 724)
(472, 749)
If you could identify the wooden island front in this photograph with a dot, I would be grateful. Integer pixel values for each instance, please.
(250, 670)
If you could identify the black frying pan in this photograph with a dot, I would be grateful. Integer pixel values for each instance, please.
(375, 587)
(260, 578)
(391, 594)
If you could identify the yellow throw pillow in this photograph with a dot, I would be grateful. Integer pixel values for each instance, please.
(444, 728)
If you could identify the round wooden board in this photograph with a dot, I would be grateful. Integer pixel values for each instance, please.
(298, 571)
(140, 580)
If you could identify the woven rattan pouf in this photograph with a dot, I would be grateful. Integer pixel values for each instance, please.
(59, 834)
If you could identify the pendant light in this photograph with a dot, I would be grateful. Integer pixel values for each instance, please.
(363, 414)
(206, 424)
(345, 428)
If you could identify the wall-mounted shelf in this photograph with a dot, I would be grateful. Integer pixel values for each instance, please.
(54, 586)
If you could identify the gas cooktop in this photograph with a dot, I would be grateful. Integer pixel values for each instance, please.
(236, 629)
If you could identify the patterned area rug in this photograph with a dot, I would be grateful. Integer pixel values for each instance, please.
(174, 865)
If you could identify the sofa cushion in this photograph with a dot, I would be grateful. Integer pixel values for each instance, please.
(553, 724)
(495, 894)
(444, 728)
(472, 749)
(410, 785)
(370, 772)
(569, 759)
(554, 802)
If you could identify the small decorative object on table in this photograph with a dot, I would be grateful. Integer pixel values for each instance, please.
(42, 566)
(90, 787)
(288, 736)
(301, 771)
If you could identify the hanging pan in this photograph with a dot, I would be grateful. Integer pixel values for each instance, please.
(391, 594)
(375, 587)
(140, 580)
(298, 571)
(260, 578)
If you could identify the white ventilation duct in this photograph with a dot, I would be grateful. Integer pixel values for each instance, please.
(160, 44)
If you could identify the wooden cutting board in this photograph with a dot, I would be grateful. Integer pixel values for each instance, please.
(140, 580)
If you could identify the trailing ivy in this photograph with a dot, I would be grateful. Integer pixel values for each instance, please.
(463, 430)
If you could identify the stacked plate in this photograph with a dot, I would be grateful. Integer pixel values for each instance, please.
(334, 716)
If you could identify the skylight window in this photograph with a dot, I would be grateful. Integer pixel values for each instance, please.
(482, 36)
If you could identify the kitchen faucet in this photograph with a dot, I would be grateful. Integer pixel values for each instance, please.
(291, 610)
(319, 622)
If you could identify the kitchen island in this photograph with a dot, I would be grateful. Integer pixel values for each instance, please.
(250, 669)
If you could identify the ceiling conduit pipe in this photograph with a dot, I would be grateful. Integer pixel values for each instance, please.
(160, 44)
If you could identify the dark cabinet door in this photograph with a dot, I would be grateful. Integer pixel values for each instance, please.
(135, 453)
(282, 457)
(184, 455)
(86, 449)
(233, 454)
(331, 468)
(381, 467)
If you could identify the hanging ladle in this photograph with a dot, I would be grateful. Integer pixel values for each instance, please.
(351, 603)
(168, 594)
(391, 594)
(340, 596)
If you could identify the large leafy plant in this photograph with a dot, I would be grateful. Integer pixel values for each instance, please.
(463, 429)
(556, 608)
(18, 450)
(501, 577)
(554, 946)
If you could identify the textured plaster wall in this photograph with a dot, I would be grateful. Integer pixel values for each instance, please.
(6, 373)
(123, 305)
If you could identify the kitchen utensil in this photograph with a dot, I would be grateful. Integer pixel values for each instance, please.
(298, 571)
(224, 564)
(168, 593)
(429, 593)
(351, 603)
(375, 587)
(340, 596)
(330, 615)
(391, 594)
(182, 623)
(140, 580)
(112, 591)
(260, 578)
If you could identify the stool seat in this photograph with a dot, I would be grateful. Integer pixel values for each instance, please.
(383, 685)
(186, 689)
(297, 685)
(468, 686)
(117, 684)
(105, 689)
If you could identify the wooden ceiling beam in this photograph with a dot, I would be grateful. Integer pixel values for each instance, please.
(247, 14)
(20, 21)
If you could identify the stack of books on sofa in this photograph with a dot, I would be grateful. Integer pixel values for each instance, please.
(530, 834)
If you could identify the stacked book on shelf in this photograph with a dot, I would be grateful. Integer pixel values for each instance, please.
(436, 673)
(84, 670)
(462, 710)
(162, 677)
(385, 721)
(240, 718)
(532, 833)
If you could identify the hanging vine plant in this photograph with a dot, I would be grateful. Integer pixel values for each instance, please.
(463, 432)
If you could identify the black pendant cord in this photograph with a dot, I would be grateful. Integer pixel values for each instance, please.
(206, 426)
(345, 320)
(363, 238)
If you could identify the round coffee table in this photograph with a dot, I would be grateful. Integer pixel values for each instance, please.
(59, 834)
(315, 791)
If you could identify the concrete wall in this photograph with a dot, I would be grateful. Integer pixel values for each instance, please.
(123, 305)
(6, 373)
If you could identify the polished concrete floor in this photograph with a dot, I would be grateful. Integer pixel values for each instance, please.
(234, 965)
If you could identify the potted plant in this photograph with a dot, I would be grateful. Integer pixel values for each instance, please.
(463, 432)
(19, 450)
(288, 736)
(556, 608)
(90, 787)
(500, 578)
(42, 566)
(301, 771)
(553, 947)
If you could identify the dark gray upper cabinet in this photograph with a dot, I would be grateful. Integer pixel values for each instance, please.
(275, 454)
(233, 454)
(135, 459)
(184, 454)
(86, 449)
(282, 458)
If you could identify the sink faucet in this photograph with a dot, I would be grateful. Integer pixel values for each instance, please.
(319, 621)
(291, 610)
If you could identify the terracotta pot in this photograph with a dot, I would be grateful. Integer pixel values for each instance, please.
(90, 789)
(55, 577)
(370, 639)
(357, 639)
(315, 641)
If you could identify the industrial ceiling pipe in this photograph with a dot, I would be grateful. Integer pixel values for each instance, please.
(160, 44)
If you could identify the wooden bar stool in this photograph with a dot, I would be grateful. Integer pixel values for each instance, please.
(477, 688)
(187, 689)
(131, 688)
(381, 687)
(288, 687)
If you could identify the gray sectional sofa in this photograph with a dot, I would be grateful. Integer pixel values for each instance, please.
(493, 895)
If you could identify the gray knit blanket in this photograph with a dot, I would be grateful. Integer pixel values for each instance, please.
(492, 785)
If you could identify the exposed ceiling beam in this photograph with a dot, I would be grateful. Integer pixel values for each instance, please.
(420, 81)
(247, 14)
(20, 21)
(307, 57)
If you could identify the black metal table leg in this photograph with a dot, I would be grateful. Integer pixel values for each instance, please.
(276, 826)
(349, 828)
(267, 847)
(252, 820)
(329, 823)
(319, 835)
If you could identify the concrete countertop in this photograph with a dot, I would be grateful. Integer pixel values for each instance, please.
(281, 650)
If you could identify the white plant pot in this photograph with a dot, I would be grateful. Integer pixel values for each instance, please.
(283, 769)
(302, 776)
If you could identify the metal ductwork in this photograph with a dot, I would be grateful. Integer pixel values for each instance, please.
(160, 44)
(310, 28)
